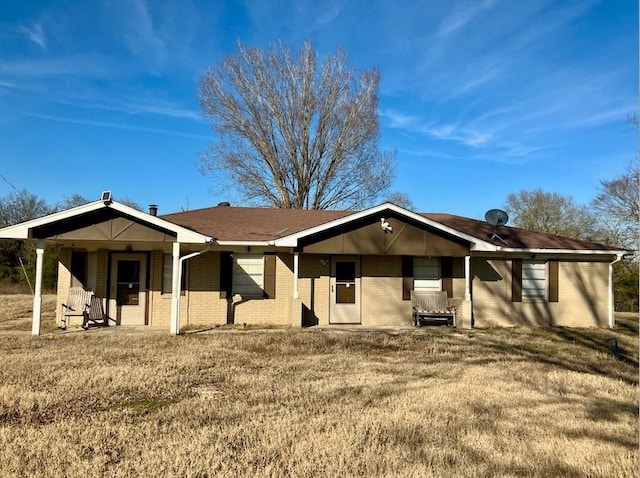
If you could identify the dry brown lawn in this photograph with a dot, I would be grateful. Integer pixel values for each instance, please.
(431, 402)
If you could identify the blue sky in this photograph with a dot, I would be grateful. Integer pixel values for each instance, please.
(480, 98)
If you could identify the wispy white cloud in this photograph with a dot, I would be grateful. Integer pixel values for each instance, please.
(442, 131)
(52, 66)
(132, 107)
(461, 17)
(136, 30)
(35, 33)
(124, 126)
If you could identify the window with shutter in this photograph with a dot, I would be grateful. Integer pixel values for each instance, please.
(534, 280)
(426, 274)
(248, 275)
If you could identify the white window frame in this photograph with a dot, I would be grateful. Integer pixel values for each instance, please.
(248, 275)
(427, 273)
(534, 280)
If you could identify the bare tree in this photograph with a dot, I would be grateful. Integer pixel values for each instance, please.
(541, 211)
(401, 199)
(20, 206)
(69, 202)
(292, 133)
(75, 200)
(618, 204)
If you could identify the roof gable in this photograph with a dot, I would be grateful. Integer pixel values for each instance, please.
(387, 209)
(97, 212)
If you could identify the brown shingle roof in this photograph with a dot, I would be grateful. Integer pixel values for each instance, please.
(228, 223)
(514, 236)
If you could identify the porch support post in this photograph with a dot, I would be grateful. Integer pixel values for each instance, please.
(467, 277)
(296, 273)
(175, 291)
(611, 319)
(37, 296)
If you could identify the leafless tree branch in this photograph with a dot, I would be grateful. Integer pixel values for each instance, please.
(293, 134)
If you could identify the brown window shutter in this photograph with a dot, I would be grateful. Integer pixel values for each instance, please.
(553, 281)
(226, 274)
(270, 276)
(407, 277)
(516, 280)
(446, 265)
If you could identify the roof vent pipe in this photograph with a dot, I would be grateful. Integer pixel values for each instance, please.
(153, 209)
(224, 204)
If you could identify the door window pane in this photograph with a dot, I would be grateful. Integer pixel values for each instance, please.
(345, 293)
(128, 282)
(128, 271)
(345, 282)
(345, 271)
(128, 294)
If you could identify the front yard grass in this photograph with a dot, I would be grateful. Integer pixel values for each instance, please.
(427, 402)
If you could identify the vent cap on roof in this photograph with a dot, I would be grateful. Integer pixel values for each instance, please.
(153, 209)
(224, 204)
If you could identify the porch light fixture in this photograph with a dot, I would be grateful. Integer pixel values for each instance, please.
(106, 197)
(386, 227)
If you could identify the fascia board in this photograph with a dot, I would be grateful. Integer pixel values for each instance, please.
(580, 252)
(476, 244)
(244, 243)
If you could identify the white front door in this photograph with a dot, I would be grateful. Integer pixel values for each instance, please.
(345, 291)
(127, 297)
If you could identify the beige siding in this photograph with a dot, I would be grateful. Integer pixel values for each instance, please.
(313, 287)
(102, 259)
(582, 289)
(583, 294)
(458, 278)
(64, 280)
(381, 292)
(201, 304)
(380, 289)
(271, 311)
(159, 310)
(491, 292)
(203, 297)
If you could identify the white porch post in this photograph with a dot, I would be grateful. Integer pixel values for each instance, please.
(467, 277)
(37, 297)
(296, 273)
(611, 298)
(174, 327)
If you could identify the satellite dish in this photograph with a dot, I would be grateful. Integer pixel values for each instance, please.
(497, 218)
